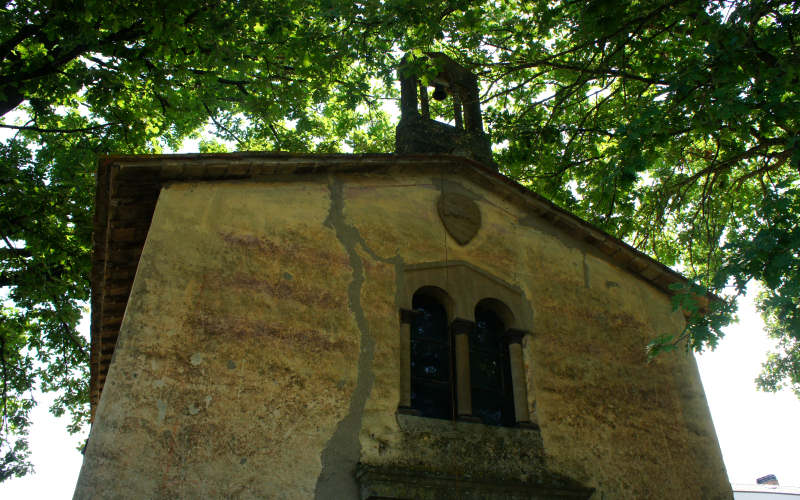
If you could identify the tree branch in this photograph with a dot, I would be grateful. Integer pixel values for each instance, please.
(59, 130)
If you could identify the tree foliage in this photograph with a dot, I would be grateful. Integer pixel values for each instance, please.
(670, 124)
(78, 79)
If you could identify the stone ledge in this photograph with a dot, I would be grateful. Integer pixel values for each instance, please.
(411, 422)
(396, 483)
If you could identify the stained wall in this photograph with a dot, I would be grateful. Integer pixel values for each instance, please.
(258, 356)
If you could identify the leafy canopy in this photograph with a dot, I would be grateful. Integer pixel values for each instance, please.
(670, 124)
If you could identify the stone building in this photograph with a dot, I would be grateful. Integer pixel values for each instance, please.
(410, 325)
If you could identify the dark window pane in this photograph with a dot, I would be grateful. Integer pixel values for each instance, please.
(490, 370)
(488, 328)
(431, 367)
(431, 399)
(429, 360)
(488, 406)
(430, 322)
(484, 371)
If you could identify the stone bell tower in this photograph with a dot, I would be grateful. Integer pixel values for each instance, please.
(417, 132)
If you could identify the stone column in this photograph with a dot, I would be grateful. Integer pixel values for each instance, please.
(514, 338)
(406, 317)
(457, 111)
(408, 92)
(461, 329)
(471, 103)
(423, 101)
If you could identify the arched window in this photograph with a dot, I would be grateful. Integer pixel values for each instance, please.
(490, 370)
(431, 358)
(461, 346)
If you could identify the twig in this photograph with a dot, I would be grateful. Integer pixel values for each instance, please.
(58, 130)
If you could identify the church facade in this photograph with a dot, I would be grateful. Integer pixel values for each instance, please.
(409, 326)
(264, 352)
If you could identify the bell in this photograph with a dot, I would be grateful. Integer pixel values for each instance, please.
(438, 92)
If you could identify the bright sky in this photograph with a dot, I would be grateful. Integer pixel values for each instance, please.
(757, 431)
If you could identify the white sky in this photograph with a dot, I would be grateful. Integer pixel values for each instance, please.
(757, 431)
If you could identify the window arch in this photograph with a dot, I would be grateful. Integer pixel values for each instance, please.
(431, 355)
(485, 321)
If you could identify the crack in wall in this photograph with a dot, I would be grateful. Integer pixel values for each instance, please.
(343, 450)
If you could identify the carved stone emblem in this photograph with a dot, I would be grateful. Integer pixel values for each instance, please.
(460, 216)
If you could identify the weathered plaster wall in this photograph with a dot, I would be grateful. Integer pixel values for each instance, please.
(608, 419)
(236, 358)
(258, 357)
